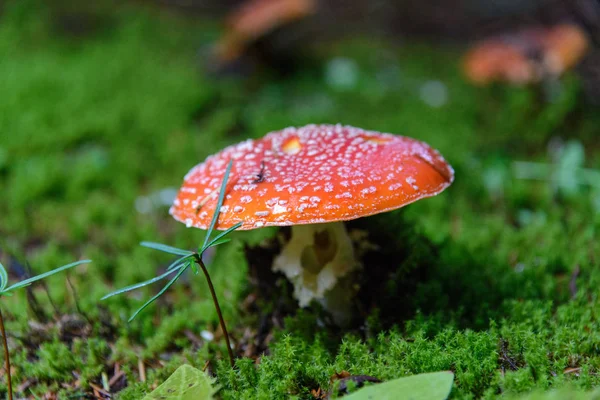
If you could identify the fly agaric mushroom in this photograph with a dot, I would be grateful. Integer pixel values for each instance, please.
(313, 178)
(254, 19)
(526, 56)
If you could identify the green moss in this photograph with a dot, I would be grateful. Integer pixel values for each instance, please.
(511, 357)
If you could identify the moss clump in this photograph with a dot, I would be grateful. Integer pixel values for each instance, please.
(535, 347)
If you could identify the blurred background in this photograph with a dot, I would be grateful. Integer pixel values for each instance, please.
(284, 34)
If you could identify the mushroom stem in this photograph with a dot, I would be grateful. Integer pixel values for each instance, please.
(315, 260)
(199, 261)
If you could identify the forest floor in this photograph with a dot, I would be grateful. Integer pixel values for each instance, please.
(496, 279)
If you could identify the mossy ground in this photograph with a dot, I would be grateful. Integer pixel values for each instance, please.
(508, 270)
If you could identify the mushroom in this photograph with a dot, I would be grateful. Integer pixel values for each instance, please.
(497, 61)
(565, 46)
(256, 18)
(312, 179)
(526, 56)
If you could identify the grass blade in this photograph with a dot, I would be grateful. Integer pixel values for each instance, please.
(29, 281)
(220, 235)
(215, 217)
(166, 249)
(164, 289)
(139, 285)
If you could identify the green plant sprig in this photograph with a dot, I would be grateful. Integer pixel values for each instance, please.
(6, 290)
(189, 259)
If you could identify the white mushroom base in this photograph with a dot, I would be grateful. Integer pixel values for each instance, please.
(315, 260)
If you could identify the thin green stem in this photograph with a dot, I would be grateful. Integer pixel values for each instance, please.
(199, 261)
(6, 358)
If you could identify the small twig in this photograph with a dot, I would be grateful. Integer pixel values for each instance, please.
(196, 341)
(118, 373)
(573, 282)
(101, 393)
(34, 305)
(6, 358)
(26, 385)
(217, 307)
(52, 303)
(142, 370)
(74, 296)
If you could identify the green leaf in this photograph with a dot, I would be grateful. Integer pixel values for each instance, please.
(3, 278)
(215, 217)
(571, 160)
(186, 383)
(179, 261)
(194, 268)
(166, 249)
(29, 281)
(139, 285)
(216, 241)
(431, 386)
(164, 289)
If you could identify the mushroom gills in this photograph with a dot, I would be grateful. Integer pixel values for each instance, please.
(315, 257)
(315, 260)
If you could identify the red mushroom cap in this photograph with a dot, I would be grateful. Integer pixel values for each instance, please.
(526, 56)
(495, 60)
(313, 174)
(256, 18)
(565, 46)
